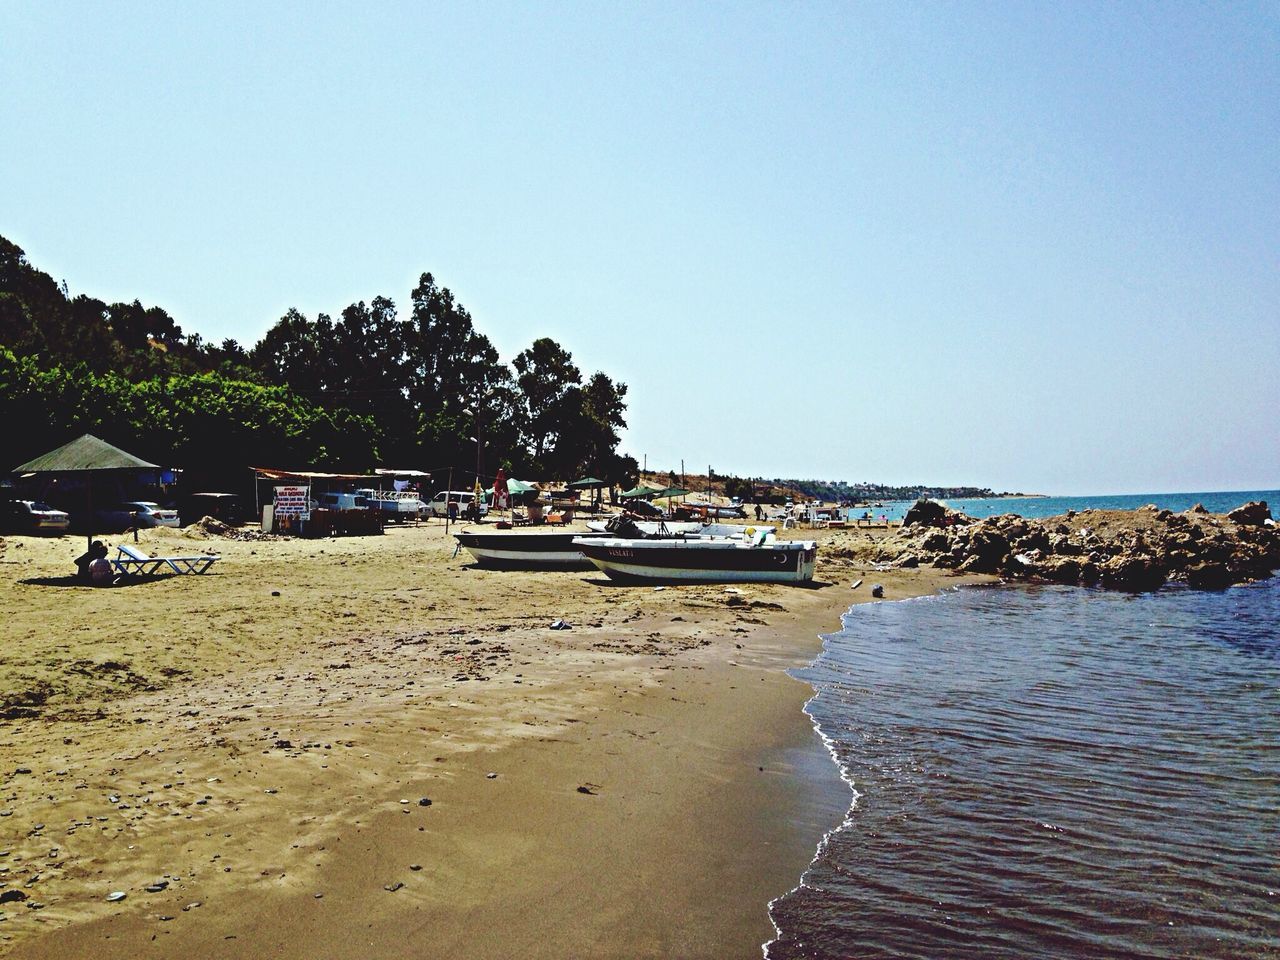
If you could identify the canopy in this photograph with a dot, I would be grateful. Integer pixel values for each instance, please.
(587, 483)
(516, 487)
(85, 453)
(641, 492)
(670, 492)
(268, 473)
(88, 455)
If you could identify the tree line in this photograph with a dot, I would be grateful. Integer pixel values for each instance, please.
(373, 386)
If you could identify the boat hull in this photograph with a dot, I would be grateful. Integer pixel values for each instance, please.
(667, 561)
(534, 551)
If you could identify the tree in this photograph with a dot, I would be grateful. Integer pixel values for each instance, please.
(591, 417)
(297, 353)
(456, 382)
(546, 374)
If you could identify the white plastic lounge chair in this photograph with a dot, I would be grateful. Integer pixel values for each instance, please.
(133, 562)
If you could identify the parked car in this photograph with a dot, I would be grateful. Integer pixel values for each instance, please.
(137, 513)
(343, 501)
(220, 506)
(32, 516)
(439, 505)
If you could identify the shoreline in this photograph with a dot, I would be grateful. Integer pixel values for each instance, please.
(654, 790)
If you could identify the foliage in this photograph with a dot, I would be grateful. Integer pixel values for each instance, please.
(371, 387)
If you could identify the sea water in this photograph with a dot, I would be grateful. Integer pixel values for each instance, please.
(1049, 772)
(1032, 507)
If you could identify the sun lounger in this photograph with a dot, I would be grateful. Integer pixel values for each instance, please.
(133, 562)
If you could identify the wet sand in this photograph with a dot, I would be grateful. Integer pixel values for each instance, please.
(261, 741)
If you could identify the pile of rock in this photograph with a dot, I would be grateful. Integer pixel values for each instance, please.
(1122, 549)
(216, 528)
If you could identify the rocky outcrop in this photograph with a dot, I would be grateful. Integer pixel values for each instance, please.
(1123, 550)
(1255, 513)
(931, 513)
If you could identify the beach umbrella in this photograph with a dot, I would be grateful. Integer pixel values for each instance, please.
(500, 492)
(519, 487)
(89, 456)
(587, 483)
(671, 492)
(640, 493)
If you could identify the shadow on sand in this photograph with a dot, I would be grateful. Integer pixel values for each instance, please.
(71, 580)
(609, 582)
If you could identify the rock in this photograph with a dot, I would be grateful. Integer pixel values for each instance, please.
(491, 776)
(1135, 573)
(157, 886)
(424, 802)
(1198, 508)
(1252, 514)
(935, 542)
(927, 513)
(877, 590)
(393, 887)
(1059, 569)
(415, 867)
(12, 896)
(116, 897)
(560, 625)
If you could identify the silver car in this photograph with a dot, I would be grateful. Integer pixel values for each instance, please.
(32, 516)
(138, 513)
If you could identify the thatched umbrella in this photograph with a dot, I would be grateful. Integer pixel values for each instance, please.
(89, 456)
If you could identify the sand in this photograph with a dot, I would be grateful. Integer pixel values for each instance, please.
(367, 747)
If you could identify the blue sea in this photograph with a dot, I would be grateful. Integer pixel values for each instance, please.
(1050, 772)
(1214, 502)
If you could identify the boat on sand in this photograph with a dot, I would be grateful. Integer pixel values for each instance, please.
(549, 549)
(761, 559)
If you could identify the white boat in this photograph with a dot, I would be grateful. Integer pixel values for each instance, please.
(760, 558)
(661, 529)
(716, 511)
(549, 549)
(556, 549)
(394, 504)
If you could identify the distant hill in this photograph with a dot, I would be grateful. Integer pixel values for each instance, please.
(779, 488)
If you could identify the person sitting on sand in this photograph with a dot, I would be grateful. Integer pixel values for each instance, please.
(97, 551)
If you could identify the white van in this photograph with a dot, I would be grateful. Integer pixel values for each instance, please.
(439, 505)
(343, 501)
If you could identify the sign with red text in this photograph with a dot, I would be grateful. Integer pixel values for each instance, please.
(293, 502)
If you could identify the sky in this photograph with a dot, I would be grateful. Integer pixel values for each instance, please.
(1023, 245)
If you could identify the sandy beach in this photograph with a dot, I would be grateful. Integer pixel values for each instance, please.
(367, 747)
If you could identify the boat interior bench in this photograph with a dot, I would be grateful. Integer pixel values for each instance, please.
(133, 562)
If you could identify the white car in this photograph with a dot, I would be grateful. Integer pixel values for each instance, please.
(439, 505)
(138, 513)
(32, 516)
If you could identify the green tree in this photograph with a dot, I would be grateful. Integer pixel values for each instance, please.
(547, 378)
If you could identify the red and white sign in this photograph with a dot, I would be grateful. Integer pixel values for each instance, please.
(293, 502)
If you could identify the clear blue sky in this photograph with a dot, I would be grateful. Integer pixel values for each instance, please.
(1026, 244)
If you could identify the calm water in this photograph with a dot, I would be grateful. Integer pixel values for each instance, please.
(1050, 772)
(1214, 502)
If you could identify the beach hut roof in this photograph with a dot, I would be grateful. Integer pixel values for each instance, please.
(85, 453)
